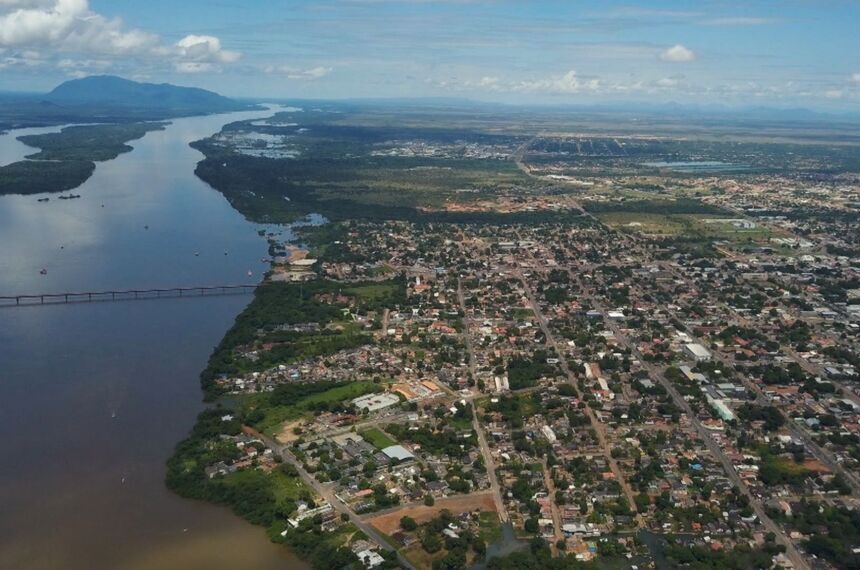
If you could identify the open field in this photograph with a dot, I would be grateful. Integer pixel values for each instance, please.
(389, 523)
(377, 438)
(420, 558)
(286, 433)
(688, 225)
(276, 415)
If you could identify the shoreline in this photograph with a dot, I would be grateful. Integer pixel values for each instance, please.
(277, 462)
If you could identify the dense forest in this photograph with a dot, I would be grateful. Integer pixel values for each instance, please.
(67, 158)
(32, 177)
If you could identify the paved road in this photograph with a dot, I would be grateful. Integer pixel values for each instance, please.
(791, 551)
(482, 438)
(327, 494)
(657, 376)
(821, 454)
(596, 424)
(556, 515)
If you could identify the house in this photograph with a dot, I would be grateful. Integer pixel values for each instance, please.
(370, 559)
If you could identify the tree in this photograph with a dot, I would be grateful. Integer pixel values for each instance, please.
(429, 500)
(642, 502)
(430, 541)
(408, 523)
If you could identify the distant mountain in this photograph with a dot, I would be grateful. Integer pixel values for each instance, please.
(115, 92)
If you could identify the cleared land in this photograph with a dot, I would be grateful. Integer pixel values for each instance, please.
(389, 523)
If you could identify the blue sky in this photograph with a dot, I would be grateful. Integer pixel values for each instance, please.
(795, 52)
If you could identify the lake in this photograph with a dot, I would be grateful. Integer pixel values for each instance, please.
(699, 166)
(93, 397)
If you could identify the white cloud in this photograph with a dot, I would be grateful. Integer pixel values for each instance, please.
(21, 59)
(83, 67)
(566, 83)
(298, 74)
(67, 25)
(195, 67)
(205, 49)
(855, 77)
(570, 82)
(66, 28)
(677, 53)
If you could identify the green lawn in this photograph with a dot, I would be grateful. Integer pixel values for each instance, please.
(287, 487)
(377, 438)
(521, 314)
(372, 292)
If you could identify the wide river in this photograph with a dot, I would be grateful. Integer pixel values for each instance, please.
(93, 397)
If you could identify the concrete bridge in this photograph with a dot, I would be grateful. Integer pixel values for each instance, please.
(123, 295)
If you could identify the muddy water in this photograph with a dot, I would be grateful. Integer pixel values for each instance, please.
(93, 397)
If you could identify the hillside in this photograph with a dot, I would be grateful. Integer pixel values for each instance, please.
(115, 92)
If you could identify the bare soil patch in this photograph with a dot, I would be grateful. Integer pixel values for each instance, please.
(389, 523)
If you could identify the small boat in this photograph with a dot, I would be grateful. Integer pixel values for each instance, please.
(43, 271)
(196, 254)
(70, 197)
(146, 227)
(250, 273)
(44, 200)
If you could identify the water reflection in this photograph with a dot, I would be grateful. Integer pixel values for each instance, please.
(13, 150)
(93, 397)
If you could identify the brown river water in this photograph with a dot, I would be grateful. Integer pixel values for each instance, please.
(93, 397)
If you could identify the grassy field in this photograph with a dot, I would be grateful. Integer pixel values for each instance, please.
(275, 416)
(490, 527)
(373, 291)
(684, 225)
(287, 487)
(420, 558)
(521, 314)
(377, 438)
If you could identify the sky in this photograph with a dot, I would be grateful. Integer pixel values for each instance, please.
(728, 52)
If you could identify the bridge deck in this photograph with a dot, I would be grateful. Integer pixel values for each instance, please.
(123, 295)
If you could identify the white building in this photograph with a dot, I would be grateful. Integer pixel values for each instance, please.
(697, 352)
(370, 559)
(374, 402)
